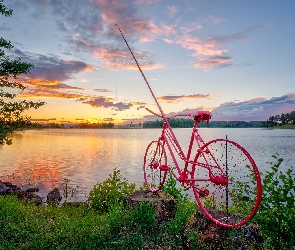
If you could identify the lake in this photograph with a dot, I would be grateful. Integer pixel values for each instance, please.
(46, 158)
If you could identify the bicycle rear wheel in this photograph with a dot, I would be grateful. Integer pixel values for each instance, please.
(231, 190)
(155, 166)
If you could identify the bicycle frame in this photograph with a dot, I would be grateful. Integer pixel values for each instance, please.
(170, 141)
(221, 181)
(195, 135)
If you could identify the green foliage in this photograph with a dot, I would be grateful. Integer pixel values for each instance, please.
(276, 214)
(188, 123)
(170, 187)
(174, 228)
(11, 118)
(110, 192)
(280, 120)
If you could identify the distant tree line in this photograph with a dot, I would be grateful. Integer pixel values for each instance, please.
(80, 125)
(279, 120)
(96, 125)
(188, 123)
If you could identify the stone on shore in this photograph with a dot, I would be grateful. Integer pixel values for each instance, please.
(54, 197)
(9, 188)
(213, 236)
(165, 204)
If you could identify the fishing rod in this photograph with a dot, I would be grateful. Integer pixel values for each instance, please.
(159, 107)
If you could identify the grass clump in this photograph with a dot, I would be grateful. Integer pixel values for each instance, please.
(109, 193)
(276, 214)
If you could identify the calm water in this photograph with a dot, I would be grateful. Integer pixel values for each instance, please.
(46, 157)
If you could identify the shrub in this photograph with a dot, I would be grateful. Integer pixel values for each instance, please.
(170, 187)
(110, 192)
(275, 215)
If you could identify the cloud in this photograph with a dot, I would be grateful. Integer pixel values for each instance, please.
(51, 70)
(177, 98)
(103, 90)
(138, 103)
(121, 59)
(140, 107)
(48, 74)
(43, 120)
(108, 119)
(259, 108)
(88, 26)
(43, 92)
(184, 111)
(212, 62)
(208, 50)
(103, 102)
(172, 10)
(146, 1)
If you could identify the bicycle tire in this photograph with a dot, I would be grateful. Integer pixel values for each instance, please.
(234, 201)
(155, 166)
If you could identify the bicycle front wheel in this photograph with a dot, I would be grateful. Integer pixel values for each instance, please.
(155, 166)
(229, 191)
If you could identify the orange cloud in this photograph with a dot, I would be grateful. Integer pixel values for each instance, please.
(37, 81)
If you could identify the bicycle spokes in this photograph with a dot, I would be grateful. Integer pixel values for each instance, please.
(155, 166)
(232, 179)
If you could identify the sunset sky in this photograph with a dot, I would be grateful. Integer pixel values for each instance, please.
(233, 58)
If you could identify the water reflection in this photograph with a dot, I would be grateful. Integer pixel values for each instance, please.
(46, 157)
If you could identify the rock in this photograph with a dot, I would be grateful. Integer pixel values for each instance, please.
(14, 188)
(32, 189)
(165, 204)
(29, 197)
(6, 183)
(211, 235)
(3, 188)
(54, 197)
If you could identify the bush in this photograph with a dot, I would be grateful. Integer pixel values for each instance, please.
(170, 187)
(275, 216)
(110, 192)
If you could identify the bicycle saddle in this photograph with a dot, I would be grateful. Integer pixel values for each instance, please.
(202, 116)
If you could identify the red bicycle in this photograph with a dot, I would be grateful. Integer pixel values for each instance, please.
(224, 177)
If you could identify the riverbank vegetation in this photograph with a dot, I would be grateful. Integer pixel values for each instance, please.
(105, 223)
(281, 121)
(188, 123)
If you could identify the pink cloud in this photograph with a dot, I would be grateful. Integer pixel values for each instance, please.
(208, 47)
(172, 10)
(114, 60)
(168, 30)
(126, 18)
(212, 62)
(146, 1)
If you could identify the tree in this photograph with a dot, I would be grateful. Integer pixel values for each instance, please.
(11, 118)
